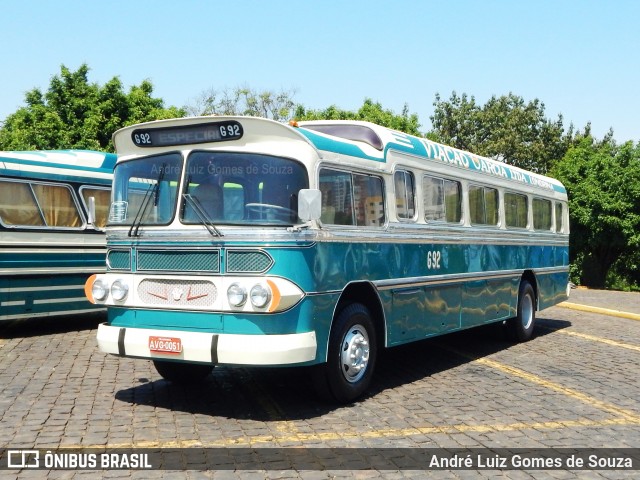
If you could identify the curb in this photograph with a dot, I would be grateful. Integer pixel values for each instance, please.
(603, 311)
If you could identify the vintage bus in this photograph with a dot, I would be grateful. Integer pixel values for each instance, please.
(243, 241)
(53, 212)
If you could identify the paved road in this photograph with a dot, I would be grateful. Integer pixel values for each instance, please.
(575, 385)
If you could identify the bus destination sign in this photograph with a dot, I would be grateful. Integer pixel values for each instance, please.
(186, 135)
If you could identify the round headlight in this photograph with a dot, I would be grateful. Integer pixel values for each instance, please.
(99, 290)
(260, 295)
(236, 294)
(119, 290)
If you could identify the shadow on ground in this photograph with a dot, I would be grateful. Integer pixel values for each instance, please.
(278, 394)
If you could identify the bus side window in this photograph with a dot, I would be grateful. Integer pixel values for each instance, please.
(442, 200)
(337, 205)
(516, 210)
(102, 199)
(405, 194)
(368, 200)
(57, 205)
(18, 205)
(541, 214)
(483, 205)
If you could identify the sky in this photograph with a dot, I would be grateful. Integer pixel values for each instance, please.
(581, 58)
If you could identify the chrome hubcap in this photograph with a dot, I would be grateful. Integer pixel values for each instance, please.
(354, 355)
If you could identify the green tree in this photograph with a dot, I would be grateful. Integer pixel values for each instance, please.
(277, 106)
(505, 128)
(370, 112)
(74, 113)
(603, 183)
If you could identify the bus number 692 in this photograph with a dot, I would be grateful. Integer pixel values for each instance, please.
(433, 259)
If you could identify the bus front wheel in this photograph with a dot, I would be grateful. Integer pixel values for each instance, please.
(351, 356)
(521, 327)
(182, 373)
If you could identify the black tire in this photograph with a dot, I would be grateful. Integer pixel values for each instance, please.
(520, 328)
(343, 378)
(182, 373)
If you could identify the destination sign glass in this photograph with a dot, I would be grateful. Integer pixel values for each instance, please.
(186, 135)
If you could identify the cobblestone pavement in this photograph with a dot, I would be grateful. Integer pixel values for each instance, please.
(575, 385)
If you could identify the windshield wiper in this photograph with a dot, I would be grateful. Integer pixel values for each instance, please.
(202, 215)
(142, 210)
(152, 191)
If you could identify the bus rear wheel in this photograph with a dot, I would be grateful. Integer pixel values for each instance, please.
(182, 373)
(521, 327)
(351, 356)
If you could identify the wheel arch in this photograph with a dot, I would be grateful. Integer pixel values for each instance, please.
(530, 276)
(365, 293)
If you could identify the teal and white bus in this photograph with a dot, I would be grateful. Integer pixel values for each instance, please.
(53, 212)
(243, 241)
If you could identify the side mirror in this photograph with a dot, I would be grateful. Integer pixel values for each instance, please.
(309, 204)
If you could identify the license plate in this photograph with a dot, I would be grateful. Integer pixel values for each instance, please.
(165, 345)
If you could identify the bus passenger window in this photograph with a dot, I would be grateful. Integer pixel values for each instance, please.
(405, 194)
(351, 199)
(57, 205)
(368, 201)
(516, 210)
(442, 200)
(337, 206)
(541, 214)
(483, 205)
(18, 205)
(102, 198)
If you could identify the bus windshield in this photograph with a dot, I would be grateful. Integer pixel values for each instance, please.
(145, 190)
(242, 188)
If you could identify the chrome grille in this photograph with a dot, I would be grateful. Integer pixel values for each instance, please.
(179, 261)
(184, 293)
(119, 259)
(248, 261)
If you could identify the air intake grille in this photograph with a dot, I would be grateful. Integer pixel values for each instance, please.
(249, 261)
(178, 261)
(119, 259)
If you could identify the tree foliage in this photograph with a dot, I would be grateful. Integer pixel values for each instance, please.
(370, 111)
(277, 106)
(602, 178)
(74, 113)
(603, 182)
(506, 128)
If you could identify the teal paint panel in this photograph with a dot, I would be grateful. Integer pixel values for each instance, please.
(49, 259)
(552, 288)
(166, 319)
(422, 312)
(37, 295)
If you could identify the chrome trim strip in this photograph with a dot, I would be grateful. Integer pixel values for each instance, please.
(51, 271)
(410, 282)
(40, 289)
(51, 314)
(443, 279)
